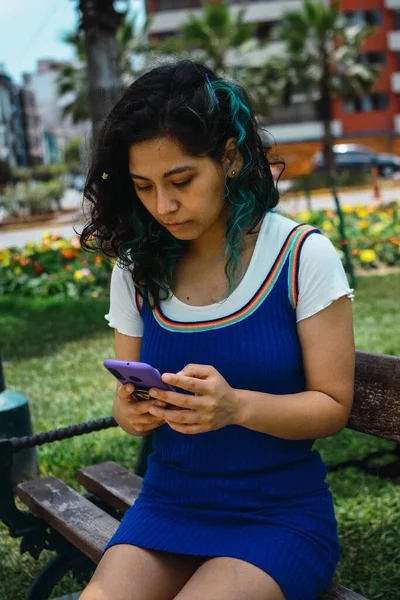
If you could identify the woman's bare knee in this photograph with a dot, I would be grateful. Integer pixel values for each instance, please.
(128, 572)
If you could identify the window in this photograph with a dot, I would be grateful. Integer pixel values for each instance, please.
(364, 17)
(377, 101)
(373, 17)
(396, 14)
(377, 59)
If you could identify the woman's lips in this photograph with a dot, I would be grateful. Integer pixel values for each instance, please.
(175, 226)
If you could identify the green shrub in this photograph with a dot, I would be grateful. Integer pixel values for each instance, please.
(49, 172)
(320, 180)
(21, 174)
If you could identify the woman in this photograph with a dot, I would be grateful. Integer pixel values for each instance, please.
(248, 314)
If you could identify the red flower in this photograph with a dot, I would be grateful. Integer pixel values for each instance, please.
(38, 267)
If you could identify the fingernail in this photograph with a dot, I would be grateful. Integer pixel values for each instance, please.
(129, 388)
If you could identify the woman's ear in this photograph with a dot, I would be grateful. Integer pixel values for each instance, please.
(233, 159)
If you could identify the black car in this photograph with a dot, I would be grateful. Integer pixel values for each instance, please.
(354, 157)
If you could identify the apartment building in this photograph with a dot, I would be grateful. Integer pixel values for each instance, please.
(374, 119)
(32, 125)
(12, 148)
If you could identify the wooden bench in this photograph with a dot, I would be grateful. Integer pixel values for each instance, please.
(88, 527)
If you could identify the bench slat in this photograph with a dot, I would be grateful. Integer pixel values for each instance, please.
(376, 408)
(111, 483)
(77, 519)
(338, 592)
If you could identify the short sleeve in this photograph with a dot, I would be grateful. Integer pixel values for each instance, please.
(322, 278)
(123, 314)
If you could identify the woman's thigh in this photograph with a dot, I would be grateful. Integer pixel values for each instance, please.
(230, 579)
(131, 573)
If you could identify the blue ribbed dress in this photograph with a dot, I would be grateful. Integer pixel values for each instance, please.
(236, 492)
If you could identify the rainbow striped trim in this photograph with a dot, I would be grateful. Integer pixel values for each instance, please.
(290, 249)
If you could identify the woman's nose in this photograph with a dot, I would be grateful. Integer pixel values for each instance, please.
(165, 203)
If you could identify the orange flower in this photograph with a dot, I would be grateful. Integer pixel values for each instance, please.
(98, 260)
(38, 267)
(67, 267)
(68, 253)
(354, 252)
(55, 237)
(25, 261)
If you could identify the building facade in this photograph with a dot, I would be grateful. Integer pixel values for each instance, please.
(12, 147)
(57, 129)
(373, 120)
(32, 126)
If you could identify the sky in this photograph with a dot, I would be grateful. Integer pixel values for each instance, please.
(32, 29)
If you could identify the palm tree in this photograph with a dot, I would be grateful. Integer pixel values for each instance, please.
(73, 82)
(213, 34)
(99, 24)
(323, 58)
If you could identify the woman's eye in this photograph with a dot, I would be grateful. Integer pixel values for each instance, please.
(143, 189)
(183, 183)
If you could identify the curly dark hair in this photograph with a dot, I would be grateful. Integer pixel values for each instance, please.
(187, 102)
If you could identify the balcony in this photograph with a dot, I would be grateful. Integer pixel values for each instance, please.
(394, 40)
(392, 4)
(397, 123)
(165, 21)
(395, 81)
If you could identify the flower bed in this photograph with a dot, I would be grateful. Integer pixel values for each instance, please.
(373, 232)
(55, 266)
(59, 266)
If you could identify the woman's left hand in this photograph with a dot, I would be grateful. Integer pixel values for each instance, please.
(213, 405)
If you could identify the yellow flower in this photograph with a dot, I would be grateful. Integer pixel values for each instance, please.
(363, 225)
(362, 212)
(78, 275)
(305, 215)
(18, 270)
(327, 225)
(346, 208)
(95, 294)
(367, 256)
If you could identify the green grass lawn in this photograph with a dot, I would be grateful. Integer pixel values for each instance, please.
(53, 352)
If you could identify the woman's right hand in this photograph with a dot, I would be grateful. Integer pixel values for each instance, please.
(133, 415)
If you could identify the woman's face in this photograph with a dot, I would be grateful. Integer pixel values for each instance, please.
(185, 194)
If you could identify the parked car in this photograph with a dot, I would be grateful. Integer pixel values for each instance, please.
(355, 157)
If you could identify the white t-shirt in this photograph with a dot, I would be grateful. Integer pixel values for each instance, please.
(322, 280)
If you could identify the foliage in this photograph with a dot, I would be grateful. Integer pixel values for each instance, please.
(373, 231)
(32, 199)
(72, 155)
(215, 32)
(320, 180)
(54, 267)
(49, 172)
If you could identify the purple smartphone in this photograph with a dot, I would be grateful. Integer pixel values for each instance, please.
(142, 375)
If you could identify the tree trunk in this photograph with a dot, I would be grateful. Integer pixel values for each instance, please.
(324, 108)
(100, 23)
